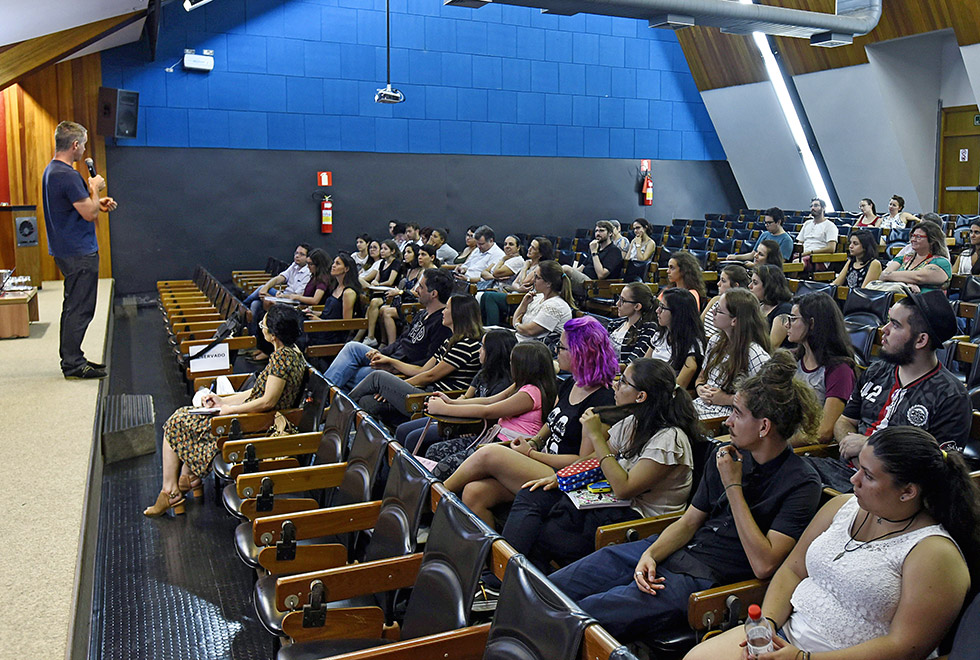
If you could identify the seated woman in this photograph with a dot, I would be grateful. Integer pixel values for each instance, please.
(369, 271)
(968, 263)
(389, 266)
(452, 367)
(495, 473)
(189, 446)
(731, 277)
(547, 307)
(825, 357)
(881, 574)
(642, 246)
(862, 265)
(360, 254)
(617, 238)
(493, 378)
(410, 272)
(498, 275)
(684, 271)
(521, 409)
(926, 266)
(768, 254)
(752, 504)
(680, 341)
(493, 304)
(316, 288)
(739, 350)
(896, 218)
(469, 247)
(636, 327)
(391, 312)
(343, 300)
(770, 286)
(653, 426)
(869, 215)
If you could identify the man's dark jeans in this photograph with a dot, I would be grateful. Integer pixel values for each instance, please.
(81, 286)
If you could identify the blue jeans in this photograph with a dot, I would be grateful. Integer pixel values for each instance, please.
(81, 287)
(350, 366)
(602, 584)
(409, 434)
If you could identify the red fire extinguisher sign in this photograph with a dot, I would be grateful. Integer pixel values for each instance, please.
(326, 216)
(324, 178)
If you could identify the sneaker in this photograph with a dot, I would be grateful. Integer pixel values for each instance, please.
(485, 599)
(370, 342)
(87, 372)
(95, 365)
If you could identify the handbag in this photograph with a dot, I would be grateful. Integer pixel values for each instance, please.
(895, 287)
(579, 474)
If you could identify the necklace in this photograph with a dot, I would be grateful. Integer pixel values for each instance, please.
(846, 549)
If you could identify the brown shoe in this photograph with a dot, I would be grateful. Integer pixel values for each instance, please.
(165, 502)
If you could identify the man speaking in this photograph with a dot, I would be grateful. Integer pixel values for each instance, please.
(70, 210)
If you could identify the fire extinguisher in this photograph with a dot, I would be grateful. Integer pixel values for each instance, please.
(647, 190)
(326, 216)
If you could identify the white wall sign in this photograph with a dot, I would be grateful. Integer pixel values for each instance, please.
(215, 360)
(964, 155)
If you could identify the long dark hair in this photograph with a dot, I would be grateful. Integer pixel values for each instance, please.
(531, 364)
(686, 332)
(690, 272)
(868, 242)
(773, 255)
(969, 251)
(666, 406)
(731, 355)
(775, 288)
(351, 280)
(497, 345)
(826, 334)
(546, 251)
(321, 263)
(466, 318)
(911, 455)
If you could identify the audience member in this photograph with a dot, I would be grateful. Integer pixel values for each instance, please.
(188, 444)
(825, 357)
(493, 304)
(291, 280)
(343, 301)
(680, 341)
(968, 263)
(370, 270)
(360, 255)
(862, 266)
(731, 277)
(604, 261)
(398, 234)
(908, 386)
(388, 308)
(493, 378)
(486, 254)
(926, 267)
(469, 247)
(752, 505)
(501, 273)
(770, 286)
(882, 574)
(414, 347)
(642, 246)
(684, 271)
(818, 235)
(896, 218)
(318, 264)
(869, 215)
(768, 254)
(382, 394)
(617, 237)
(547, 307)
(413, 233)
(634, 329)
(773, 219)
(739, 350)
(497, 472)
(439, 240)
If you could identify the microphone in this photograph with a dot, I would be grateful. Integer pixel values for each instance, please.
(91, 166)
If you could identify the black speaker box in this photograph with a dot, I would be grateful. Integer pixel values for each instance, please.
(26, 231)
(118, 112)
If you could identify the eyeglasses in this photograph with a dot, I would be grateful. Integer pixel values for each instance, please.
(620, 299)
(663, 308)
(622, 381)
(921, 237)
(790, 319)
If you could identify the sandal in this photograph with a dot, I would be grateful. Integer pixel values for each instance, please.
(165, 502)
(186, 483)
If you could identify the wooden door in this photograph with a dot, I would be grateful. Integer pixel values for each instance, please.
(960, 131)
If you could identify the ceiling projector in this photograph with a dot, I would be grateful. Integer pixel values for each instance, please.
(389, 95)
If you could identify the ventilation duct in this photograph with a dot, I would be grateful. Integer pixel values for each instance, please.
(852, 18)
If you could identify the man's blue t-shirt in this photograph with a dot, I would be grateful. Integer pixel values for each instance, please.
(785, 243)
(69, 234)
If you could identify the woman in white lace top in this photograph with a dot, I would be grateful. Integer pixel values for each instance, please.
(880, 574)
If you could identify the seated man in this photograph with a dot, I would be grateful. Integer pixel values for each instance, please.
(754, 501)
(774, 231)
(413, 233)
(292, 280)
(818, 235)
(444, 251)
(486, 254)
(908, 386)
(604, 262)
(415, 345)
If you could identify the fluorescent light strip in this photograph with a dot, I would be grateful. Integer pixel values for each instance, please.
(789, 111)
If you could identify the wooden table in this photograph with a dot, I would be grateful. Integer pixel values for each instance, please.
(17, 310)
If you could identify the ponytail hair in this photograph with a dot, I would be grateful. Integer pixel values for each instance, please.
(775, 393)
(666, 406)
(551, 272)
(913, 456)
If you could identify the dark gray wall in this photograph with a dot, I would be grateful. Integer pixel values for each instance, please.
(228, 209)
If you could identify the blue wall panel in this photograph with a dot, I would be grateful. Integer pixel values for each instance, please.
(500, 80)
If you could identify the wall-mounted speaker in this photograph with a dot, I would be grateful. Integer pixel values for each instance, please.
(118, 112)
(25, 229)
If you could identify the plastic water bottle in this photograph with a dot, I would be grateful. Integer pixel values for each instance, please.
(758, 632)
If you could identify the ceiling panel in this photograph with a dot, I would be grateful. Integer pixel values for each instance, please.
(26, 19)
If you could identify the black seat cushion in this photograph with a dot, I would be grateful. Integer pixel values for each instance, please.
(248, 552)
(231, 500)
(221, 467)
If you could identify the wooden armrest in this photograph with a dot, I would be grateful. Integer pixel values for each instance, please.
(267, 530)
(292, 480)
(253, 422)
(625, 531)
(344, 582)
(414, 402)
(463, 644)
(598, 644)
(192, 316)
(234, 343)
(706, 608)
(195, 326)
(314, 557)
(500, 553)
(237, 380)
(819, 450)
(297, 444)
(346, 623)
(712, 425)
(828, 257)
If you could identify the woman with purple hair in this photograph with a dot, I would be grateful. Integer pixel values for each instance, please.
(496, 472)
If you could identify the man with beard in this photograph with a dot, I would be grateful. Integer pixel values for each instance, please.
(907, 387)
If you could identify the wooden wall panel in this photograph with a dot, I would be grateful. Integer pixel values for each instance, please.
(722, 60)
(34, 107)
